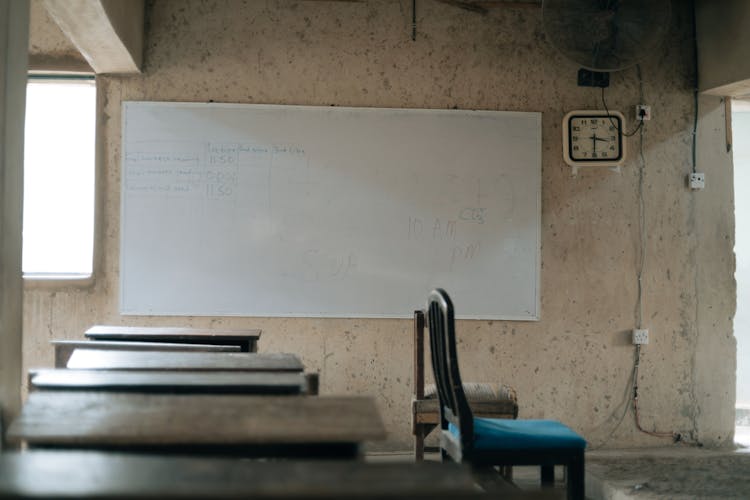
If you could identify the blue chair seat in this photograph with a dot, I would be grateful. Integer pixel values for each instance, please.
(504, 434)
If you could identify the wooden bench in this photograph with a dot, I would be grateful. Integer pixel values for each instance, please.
(64, 348)
(246, 425)
(247, 340)
(88, 359)
(169, 382)
(96, 475)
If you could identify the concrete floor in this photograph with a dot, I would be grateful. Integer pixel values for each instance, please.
(678, 472)
(675, 473)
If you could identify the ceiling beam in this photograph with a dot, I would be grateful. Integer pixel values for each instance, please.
(108, 33)
(722, 40)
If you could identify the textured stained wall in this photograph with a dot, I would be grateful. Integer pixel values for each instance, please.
(574, 364)
(48, 47)
(722, 46)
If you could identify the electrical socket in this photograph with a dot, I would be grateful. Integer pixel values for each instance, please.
(642, 112)
(640, 336)
(697, 180)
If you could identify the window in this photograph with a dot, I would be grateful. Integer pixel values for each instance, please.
(741, 158)
(59, 160)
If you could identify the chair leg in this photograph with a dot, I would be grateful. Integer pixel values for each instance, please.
(507, 472)
(575, 477)
(419, 443)
(493, 482)
(548, 475)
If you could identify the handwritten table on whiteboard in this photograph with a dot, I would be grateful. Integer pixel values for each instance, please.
(327, 211)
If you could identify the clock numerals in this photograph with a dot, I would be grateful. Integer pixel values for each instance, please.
(594, 138)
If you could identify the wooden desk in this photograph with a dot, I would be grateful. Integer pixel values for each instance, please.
(87, 359)
(246, 339)
(320, 426)
(161, 382)
(89, 475)
(64, 348)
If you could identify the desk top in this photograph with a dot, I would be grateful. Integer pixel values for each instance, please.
(142, 346)
(112, 332)
(64, 348)
(88, 475)
(88, 359)
(192, 382)
(104, 419)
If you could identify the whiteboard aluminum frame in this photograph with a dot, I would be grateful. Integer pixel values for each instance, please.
(408, 313)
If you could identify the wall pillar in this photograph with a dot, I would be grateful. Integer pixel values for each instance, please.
(714, 347)
(14, 36)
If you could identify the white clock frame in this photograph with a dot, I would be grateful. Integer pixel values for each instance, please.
(592, 162)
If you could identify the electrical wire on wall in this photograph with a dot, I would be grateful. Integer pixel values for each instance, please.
(612, 122)
(695, 94)
(633, 379)
(641, 265)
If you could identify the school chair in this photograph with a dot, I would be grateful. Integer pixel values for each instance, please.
(486, 399)
(486, 442)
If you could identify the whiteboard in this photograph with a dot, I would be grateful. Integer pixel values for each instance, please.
(261, 210)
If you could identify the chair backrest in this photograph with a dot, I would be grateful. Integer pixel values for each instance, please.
(454, 408)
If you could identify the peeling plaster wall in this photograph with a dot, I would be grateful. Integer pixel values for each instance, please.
(573, 365)
(49, 48)
(45, 37)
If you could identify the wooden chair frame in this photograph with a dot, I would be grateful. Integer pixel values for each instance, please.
(425, 408)
(454, 409)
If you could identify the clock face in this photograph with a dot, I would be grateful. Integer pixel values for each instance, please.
(593, 138)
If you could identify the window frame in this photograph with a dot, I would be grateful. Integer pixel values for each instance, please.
(56, 281)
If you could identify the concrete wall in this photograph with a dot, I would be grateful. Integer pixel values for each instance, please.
(574, 364)
(49, 49)
(107, 33)
(723, 38)
(126, 17)
(14, 28)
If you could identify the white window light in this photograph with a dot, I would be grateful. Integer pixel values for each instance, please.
(59, 165)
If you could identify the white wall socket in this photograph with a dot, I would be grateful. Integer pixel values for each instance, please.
(697, 180)
(640, 336)
(642, 112)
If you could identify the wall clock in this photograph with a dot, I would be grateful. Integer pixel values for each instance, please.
(593, 138)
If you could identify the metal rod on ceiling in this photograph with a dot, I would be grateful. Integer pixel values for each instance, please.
(414, 20)
(61, 76)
